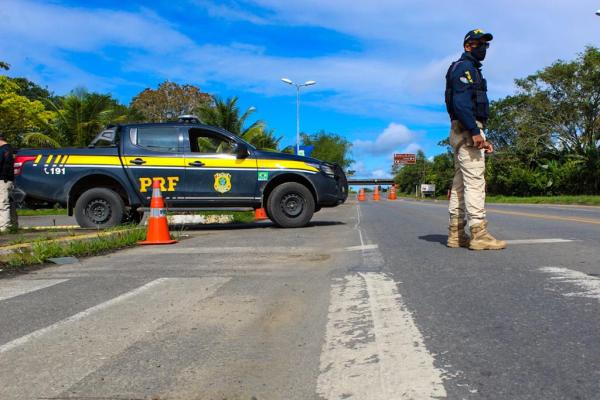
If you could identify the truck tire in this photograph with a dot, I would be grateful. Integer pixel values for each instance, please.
(99, 208)
(291, 205)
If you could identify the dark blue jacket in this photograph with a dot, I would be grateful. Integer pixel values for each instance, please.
(466, 93)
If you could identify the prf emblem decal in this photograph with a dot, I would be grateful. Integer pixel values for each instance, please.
(222, 182)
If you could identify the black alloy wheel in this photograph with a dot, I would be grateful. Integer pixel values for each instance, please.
(99, 208)
(291, 205)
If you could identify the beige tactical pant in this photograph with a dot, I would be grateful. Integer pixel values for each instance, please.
(468, 187)
(6, 216)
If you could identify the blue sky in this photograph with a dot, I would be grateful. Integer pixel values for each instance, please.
(379, 65)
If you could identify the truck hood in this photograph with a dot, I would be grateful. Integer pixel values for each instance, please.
(274, 155)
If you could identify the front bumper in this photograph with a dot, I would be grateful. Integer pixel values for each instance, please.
(332, 190)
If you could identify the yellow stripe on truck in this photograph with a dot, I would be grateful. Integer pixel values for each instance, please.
(284, 164)
(93, 160)
(183, 161)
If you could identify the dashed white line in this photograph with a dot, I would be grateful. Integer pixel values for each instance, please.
(590, 285)
(538, 241)
(362, 247)
(373, 349)
(48, 361)
(74, 318)
(12, 288)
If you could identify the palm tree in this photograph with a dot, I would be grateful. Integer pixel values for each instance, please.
(266, 140)
(82, 115)
(226, 114)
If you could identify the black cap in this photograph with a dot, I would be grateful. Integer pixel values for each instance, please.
(477, 34)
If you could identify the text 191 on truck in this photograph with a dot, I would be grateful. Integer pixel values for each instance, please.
(198, 166)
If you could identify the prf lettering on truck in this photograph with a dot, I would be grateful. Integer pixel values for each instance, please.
(166, 184)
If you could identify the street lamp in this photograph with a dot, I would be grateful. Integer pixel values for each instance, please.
(298, 86)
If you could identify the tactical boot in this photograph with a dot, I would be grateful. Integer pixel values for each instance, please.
(482, 240)
(456, 233)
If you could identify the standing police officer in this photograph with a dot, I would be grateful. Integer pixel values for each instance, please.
(468, 106)
(7, 176)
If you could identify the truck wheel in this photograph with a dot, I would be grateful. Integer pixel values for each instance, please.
(290, 205)
(99, 208)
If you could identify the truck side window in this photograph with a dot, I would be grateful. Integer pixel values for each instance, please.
(208, 142)
(163, 138)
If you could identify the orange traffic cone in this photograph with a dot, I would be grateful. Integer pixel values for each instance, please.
(260, 214)
(361, 195)
(376, 194)
(158, 227)
(393, 195)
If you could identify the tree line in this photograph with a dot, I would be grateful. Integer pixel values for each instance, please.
(546, 136)
(33, 116)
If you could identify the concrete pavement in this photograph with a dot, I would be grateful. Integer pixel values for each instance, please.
(366, 303)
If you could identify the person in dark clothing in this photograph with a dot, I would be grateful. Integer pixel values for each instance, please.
(468, 107)
(7, 177)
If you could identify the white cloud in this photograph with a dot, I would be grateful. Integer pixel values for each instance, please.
(398, 73)
(387, 141)
(380, 173)
(412, 148)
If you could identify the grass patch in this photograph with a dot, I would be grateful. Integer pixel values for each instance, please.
(27, 212)
(589, 200)
(581, 200)
(41, 249)
(238, 216)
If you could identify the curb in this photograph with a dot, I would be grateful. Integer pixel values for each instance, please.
(12, 248)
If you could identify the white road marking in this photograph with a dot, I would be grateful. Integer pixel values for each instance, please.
(590, 285)
(373, 349)
(77, 346)
(13, 287)
(357, 225)
(362, 247)
(538, 241)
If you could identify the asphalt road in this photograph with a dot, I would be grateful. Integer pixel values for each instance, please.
(366, 303)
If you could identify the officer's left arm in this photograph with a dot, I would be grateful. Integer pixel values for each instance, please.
(462, 97)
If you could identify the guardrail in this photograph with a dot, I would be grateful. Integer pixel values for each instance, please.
(370, 182)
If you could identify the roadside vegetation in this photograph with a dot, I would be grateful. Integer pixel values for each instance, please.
(239, 217)
(33, 116)
(575, 200)
(546, 137)
(42, 249)
(27, 212)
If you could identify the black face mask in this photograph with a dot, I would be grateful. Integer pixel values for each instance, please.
(479, 52)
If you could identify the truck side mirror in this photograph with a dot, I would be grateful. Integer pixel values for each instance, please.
(241, 150)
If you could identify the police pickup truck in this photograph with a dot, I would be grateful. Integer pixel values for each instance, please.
(198, 166)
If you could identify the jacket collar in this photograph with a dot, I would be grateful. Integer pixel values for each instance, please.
(467, 56)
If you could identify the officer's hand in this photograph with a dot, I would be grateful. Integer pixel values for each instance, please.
(488, 148)
(478, 141)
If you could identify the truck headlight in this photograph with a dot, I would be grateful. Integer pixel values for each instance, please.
(327, 170)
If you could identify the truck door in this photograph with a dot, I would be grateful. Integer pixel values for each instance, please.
(155, 152)
(213, 172)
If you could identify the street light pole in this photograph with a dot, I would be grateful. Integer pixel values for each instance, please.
(298, 86)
